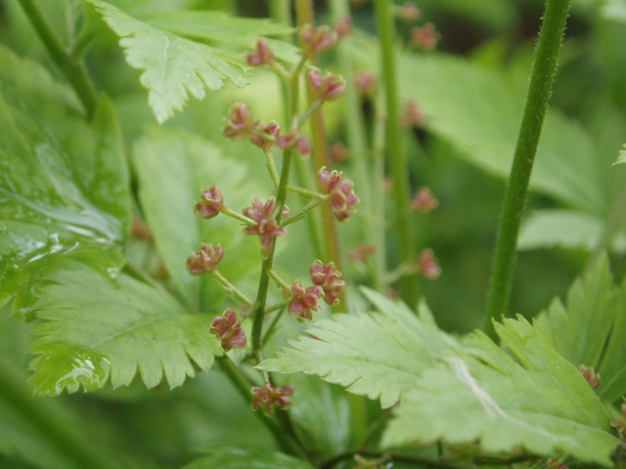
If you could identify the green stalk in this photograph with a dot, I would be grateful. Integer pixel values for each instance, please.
(396, 156)
(73, 70)
(539, 91)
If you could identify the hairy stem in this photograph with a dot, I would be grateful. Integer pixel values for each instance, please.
(73, 70)
(535, 109)
(396, 156)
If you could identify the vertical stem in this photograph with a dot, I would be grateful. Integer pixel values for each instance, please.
(396, 156)
(304, 14)
(539, 91)
(74, 71)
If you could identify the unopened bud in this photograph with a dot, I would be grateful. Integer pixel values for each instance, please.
(408, 12)
(427, 265)
(552, 464)
(238, 122)
(423, 201)
(362, 253)
(268, 134)
(294, 139)
(228, 330)
(318, 39)
(410, 114)
(211, 203)
(343, 26)
(262, 56)
(337, 152)
(426, 37)
(205, 260)
(340, 194)
(590, 375)
(268, 396)
(364, 81)
(329, 87)
(304, 301)
(329, 278)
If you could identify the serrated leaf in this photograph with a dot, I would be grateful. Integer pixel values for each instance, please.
(233, 457)
(63, 180)
(173, 167)
(174, 66)
(589, 328)
(476, 110)
(376, 355)
(566, 229)
(94, 327)
(536, 400)
(621, 159)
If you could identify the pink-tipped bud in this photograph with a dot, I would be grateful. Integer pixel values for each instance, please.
(262, 56)
(426, 37)
(423, 201)
(304, 301)
(238, 122)
(266, 227)
(205, 260)
(362, 253)
(211, 203)
(427, 265)
(590, 375)
(364, 81)
(408, 12)
(343, 26)
(294, 139)
(264, 134)
(337, 152)
(318, 39)
(329, 87)
(228, 330)
(329, 278)
(268, 396)
(340, 194)
(410, 114)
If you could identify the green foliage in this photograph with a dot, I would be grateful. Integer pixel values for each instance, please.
(622, 156)
(174, 65)
(94, 327)
(231, 457)
(614, 10)
(64, 185)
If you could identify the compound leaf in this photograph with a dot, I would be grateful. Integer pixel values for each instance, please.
(95, 327)
(232, 457)
(64, 188)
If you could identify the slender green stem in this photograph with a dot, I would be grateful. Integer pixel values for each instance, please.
(280, 283)
(539, 91)
(295, 216)
(231, 289)
(396, 457)
(73, 70)
(314, 106)
(271, 166)
(238, 216)
(277, 306)
(306, 193)
(272, 327)
(396, 156)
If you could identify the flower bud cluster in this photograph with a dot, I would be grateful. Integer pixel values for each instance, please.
(329, 87)
(329, 279)
(205, 260)
(340, 194)
(427, 265)
(552, 464)
(315, 40)
(343, 26)
(228, 330)
(303, 301)
(268, 396)
(266, 227)
(426, 37)
(590, 375)
(262, 56)
(337, 152)
(408, 12)
(294, 139)
(410, 114)
(364, 81)
(423, 201)
(211, 203)
(362, 253)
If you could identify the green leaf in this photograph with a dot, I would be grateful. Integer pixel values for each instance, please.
(231, 457)
(173, 167)
(568, 229)
(175, 66)
(95, 327)
(376, 355)
(476, 110)
(64, 182)
(614, 10)
(536, 400)
(621, 159)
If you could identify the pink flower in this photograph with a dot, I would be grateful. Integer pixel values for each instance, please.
(329, 87)
(228, 330)
(362, 253)
(303, 301)
(268, 396)
(423, 201)
(329, 278)
(426, 37)
(266, 228)
(427, 265)
(341, 196)
(318, 39)
(211, 203)
(205, 260)
(294, 139)
(238, 122)
(262, 56)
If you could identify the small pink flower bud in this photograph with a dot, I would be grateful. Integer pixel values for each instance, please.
(362, 253)
(426, 37)
(552, 464)
(338, 152)
(427, 265)
(228, 330)
(205, 260)
(329, 88)
(590, 375)
(268, 396)
(318, 39)
(294, 139)
(211, 203)
(423, 201)
(340, 194)
(238, 122)
(620, 427)
(329, 278)
(266, 228)
(364, 81)
(408, 12)
(262, 56)
(410, 114)
(268, 132)
(343, 26)
(303, 301)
